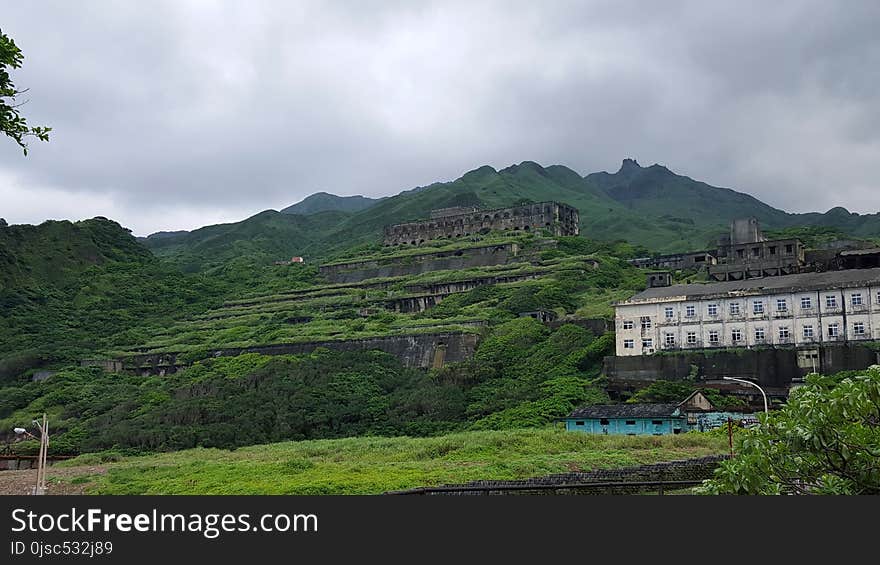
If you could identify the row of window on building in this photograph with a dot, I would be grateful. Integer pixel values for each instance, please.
(736, 335)
(831, 302)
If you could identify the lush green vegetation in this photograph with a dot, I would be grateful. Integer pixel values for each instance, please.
(524, 375)
(825, 440)
(12, 123)
(89, 289)
(72, 290)
(371, 465)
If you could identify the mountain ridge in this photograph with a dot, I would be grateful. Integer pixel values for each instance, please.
(326, 202)
(650, 206)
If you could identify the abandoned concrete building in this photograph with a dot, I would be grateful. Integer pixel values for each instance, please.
(745, 253)
(560, 219)
(676, 261)
(795, 310)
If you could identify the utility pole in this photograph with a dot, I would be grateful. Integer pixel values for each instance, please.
(41, 460)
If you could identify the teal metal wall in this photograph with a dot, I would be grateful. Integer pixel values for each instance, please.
(626, 426)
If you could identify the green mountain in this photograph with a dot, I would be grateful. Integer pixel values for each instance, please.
(319, 236)
(70, 288)
(261, 239)
(647, 206)
(656, 191)
(55, 251)
(325, 202)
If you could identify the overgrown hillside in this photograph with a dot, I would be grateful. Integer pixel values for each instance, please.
(72, 289)
(523, 374)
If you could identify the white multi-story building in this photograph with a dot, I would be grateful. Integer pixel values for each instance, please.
(792, 310)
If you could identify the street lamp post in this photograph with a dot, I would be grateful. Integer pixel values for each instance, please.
(766, 410)
(40, 487)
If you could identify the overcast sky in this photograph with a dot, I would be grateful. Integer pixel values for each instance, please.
(173, 115)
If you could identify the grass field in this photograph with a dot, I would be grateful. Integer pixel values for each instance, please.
(372, 465)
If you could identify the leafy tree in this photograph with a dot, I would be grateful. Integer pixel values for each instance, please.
(825, 440)
(12, 123)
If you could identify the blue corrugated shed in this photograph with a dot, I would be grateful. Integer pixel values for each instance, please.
(627, 419)
(693, 413)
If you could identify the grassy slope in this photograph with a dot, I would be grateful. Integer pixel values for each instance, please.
(371, 465)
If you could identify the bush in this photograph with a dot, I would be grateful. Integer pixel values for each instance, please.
(825, 440)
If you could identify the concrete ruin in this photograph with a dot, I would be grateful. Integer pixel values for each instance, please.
(423, 350)
(395, 266)
(775, 369)
(559, 219)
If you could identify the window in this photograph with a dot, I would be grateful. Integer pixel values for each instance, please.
(806, 302)
(691, 338)
(772, 250)
(739, 253)
(628, 324)
(603, 421)
(783, 333)
(808, 331)
(690, 311)
(712, 309)
(646, 322)
(758, 307)
(629, 344)
(647, 343)
(830, 301)
(630, 422)
(878, 298)
(669, 339)
(856, 298)
(756, 251)
(713, 336)
(669, 312)
(859, 328)
(789, 249)
(759, 334)
(657, 422)
(736, 335)
(781, 305)
(734, 308)
(833, 330)
(579, 423)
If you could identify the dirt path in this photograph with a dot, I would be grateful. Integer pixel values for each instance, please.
(58, 480)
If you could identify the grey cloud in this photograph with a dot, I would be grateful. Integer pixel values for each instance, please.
(237, 107)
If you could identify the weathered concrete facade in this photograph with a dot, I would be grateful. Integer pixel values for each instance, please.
(417, 350)
(772, 368)
(559, 219)
(482, 256)
(676, 261)
(758, 259)
(804, 310)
